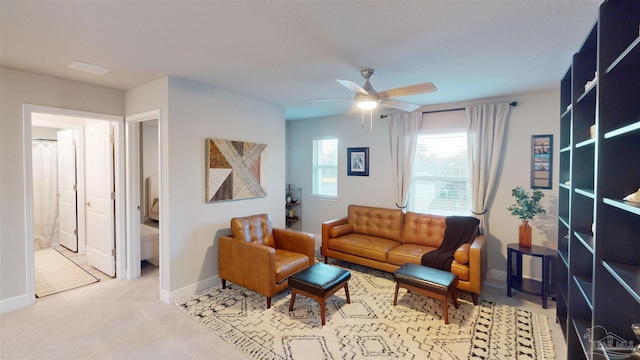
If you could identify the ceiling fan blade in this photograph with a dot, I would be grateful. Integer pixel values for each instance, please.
(408, 90)
(352, 85)
(400, 105)
(334, 99)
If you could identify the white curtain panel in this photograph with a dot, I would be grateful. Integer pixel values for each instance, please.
(45, 188)
(403, 137)
(487, 126)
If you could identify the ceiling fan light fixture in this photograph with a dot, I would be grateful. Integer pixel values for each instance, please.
(367, 104)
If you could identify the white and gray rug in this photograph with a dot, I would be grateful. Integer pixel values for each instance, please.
(370, 327)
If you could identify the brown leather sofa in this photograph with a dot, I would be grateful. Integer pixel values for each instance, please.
(261, 258)
(386, 239)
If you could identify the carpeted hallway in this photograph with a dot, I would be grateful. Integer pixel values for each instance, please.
(124, 319)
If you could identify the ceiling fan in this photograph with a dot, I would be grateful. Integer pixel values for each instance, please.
(367, 98)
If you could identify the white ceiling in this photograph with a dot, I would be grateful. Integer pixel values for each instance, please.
(286, 52)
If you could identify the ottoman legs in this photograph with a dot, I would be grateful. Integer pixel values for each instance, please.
(320, 299)
(438, 296)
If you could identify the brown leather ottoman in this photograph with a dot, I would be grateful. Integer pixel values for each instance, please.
(427, 281)
(319, 282)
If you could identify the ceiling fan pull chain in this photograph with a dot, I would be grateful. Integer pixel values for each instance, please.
(362, 113)
(371, 115)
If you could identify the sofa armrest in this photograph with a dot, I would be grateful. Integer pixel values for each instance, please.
(478, 263)
(296, 241)
(247, 264)
(326, 229)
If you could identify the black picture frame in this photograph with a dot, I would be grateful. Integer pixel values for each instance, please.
(358, 161)
(542, 161)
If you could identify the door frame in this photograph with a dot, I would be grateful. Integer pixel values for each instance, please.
(119, 172)
(133, 191)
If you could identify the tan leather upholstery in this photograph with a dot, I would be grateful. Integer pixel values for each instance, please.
(261, 258)
(361, 238)
(423, 229)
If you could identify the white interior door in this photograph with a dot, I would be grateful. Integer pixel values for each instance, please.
(100, 204)
(67, 193)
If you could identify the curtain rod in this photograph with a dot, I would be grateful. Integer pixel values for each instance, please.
(513, 103)
(44, 140)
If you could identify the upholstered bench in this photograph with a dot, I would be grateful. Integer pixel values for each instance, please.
(427, 281)
(319, 282)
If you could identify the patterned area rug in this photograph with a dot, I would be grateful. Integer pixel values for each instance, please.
(370, 327)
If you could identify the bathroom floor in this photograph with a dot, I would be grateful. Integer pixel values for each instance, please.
(82, 261)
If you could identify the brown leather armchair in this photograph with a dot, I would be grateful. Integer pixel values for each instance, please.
(260, 258)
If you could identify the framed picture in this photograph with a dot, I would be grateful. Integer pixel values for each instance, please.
(541, 161)
(234, 170)
(358, 161)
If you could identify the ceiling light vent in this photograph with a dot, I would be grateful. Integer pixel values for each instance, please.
(90, 68)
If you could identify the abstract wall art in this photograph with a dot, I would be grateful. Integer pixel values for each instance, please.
(234, 170)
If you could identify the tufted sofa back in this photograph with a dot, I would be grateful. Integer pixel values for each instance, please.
(254, 228)
(424, 229)
(386, 223)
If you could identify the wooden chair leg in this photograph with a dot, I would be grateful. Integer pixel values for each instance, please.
(346, 290)
(445, 312)
(322, 310)
(395, 296)
(293, 299)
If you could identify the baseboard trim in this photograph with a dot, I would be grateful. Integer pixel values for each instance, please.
(192, 289)
(15, 303)
(497, 275)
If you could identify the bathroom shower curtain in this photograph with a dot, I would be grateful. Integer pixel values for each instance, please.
(45, 188)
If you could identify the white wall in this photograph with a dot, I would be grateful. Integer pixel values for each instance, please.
(536, 113)
(19, 88)
(190, 227)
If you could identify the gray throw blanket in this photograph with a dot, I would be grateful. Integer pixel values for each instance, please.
(458, 231)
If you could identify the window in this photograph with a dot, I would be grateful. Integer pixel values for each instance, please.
(440, 183)
(325, 167)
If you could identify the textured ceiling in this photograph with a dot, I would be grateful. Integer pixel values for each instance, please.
(286, 52)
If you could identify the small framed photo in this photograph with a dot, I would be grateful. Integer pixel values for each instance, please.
(358, 161)
(541, 161)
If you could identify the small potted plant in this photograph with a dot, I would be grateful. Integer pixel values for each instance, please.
(526, 208)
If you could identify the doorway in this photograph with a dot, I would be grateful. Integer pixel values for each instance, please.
(106, 252)
(144, 189)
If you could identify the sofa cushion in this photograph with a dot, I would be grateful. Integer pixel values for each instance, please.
(424, 229)
(341, 230)
(385, 223)
(407, 253)
(370, 247)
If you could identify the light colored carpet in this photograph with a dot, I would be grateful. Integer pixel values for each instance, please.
(369, 327)
(55, 273)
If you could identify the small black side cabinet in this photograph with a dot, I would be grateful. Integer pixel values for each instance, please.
(542, 288)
